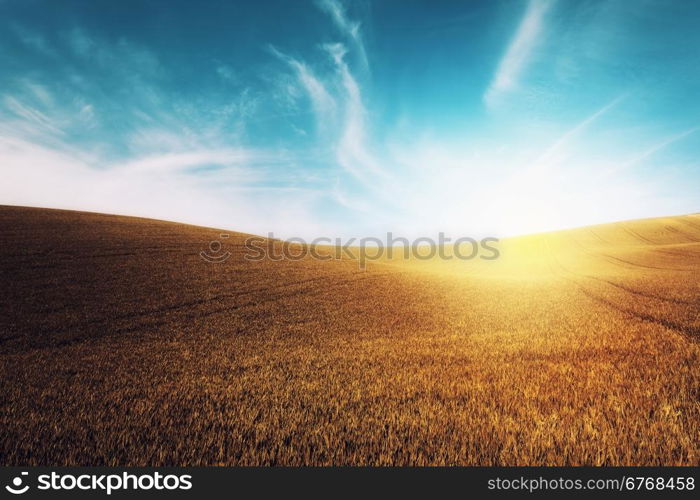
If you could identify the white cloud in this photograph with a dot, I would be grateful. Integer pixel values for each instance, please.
(654, 149)
(323, 103)
(352, 152)
(39, 92)
(351, 29)
(31, 115)
(519, 51)
(558, 150)
(159, 187)
(173, 162)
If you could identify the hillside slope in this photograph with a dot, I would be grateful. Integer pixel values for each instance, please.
(120, 345)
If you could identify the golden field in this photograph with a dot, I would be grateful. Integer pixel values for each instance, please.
(119, 345)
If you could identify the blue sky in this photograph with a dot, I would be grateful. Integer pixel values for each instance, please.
(334, 118)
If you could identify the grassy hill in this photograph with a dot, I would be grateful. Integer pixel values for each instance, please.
(120, 345)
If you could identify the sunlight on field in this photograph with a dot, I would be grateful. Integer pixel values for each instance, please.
(121, 346)
(588, 341)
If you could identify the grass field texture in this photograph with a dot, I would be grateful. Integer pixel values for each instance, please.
(119, 345)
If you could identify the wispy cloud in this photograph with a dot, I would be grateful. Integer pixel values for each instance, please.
(648, 153)
(663, 144)
(323, 103)
(352, 151)
(343, 110)
(352, 29)
(220, 188)
(159, 156)
(558, 149)
(31, 115)
(519, 51)
(174, 162)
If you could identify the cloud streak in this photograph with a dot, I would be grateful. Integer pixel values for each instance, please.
(324, 105)
(519, 51)
(557, 151)
(351, 29)
(352, 151)
(652, 151)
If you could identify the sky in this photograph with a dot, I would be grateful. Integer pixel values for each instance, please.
(353, 118)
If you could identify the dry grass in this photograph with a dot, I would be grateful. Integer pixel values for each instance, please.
(119, 345)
